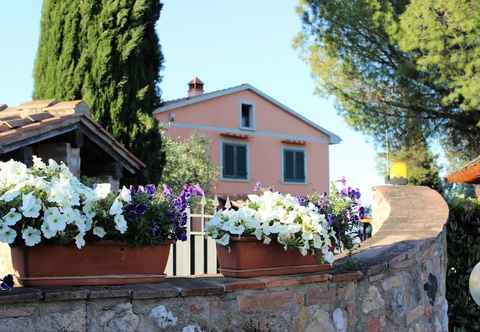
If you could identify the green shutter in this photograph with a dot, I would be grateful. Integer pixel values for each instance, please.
(288, 166)
(241, 162)
(300, 166)
(228, 161)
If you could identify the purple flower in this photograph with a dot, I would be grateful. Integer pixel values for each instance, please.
(198, 190)
(178, 208)
(150, 189)
(7, 282)
(140, 209)
(257, 187)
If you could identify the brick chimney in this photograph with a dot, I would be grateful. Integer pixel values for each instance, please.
(195, 87)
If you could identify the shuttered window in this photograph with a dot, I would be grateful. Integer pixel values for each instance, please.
(294, 166)
(234, 161)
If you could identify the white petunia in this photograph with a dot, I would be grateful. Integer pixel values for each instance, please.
(55, 219)
(12, 217)
(224, 240)
(120, 223)
(99, 231)
(116, 208)
(10, 195)
(328, 255)
(102, 190)
(79, 240)
(31, 236)
(38, 163)
(7, 234)
(125, 195)
(31, 206)
(47, 231)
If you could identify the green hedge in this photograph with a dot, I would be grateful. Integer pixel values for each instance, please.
(463, 247)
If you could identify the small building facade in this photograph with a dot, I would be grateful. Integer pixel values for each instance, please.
(254, 138)
(64, 132)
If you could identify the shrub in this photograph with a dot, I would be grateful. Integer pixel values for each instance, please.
(188, 161)
(463, 249)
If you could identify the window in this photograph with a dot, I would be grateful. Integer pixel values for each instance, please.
(294, 166)
(247, 116)
(234, 163)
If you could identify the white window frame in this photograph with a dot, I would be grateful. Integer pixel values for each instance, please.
(247, 145)
(252, 115)
(305, 163)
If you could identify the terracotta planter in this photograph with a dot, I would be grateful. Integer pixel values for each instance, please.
(98, 263)
(249, 257)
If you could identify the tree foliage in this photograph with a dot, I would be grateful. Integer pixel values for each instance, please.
(107, 53)
(392, 62)
(188, 161)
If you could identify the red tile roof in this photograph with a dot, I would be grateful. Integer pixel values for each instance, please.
(38, 120)
(470, 173)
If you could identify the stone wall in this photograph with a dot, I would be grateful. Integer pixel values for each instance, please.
(395, 282)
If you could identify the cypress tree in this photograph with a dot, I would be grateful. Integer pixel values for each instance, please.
(106, 52)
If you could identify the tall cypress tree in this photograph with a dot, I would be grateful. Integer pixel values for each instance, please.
(106, 52)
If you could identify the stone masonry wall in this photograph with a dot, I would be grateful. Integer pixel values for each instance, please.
(392, 284)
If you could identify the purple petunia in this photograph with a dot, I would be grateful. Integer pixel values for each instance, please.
(178, 208)
(7, 282)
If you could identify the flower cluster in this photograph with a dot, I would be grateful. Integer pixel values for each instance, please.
(281, 218)
(178, 208)
(47, 203)
(343, 210)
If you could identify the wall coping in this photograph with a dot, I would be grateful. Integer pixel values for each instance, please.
(410, 228)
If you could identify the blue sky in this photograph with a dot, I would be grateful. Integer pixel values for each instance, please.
(225, 43)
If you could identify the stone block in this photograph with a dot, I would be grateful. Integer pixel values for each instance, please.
(320, 295)
(373, 300)
(415, 314)
(17, 310)
(266, 302)
(320, 321)
(347, 277)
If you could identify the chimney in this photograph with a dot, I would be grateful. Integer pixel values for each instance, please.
(195, 87)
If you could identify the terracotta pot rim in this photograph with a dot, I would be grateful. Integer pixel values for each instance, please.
(99, 243)
(248, 238)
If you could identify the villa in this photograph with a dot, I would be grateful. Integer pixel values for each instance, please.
(254, 139)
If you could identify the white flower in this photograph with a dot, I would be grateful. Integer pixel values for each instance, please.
(328, 255)
(224, 240)
(10, 195)
(274, 214)
(79, 240)
(38, 163)
(47, 231)
(125, 195)
(31, 236)
(116, 208)
(30, 206)
(55, 219)
(102, 190)
(120, 223)
(12, 217)
(7, 234)
(99, 231)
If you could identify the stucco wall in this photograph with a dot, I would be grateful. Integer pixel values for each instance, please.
(219, 115)
(395, 282)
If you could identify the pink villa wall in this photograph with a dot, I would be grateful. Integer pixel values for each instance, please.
(265, 151)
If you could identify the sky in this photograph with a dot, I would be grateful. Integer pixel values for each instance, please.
(225, 43)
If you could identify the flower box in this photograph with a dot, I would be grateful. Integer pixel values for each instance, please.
(248, 257)
(64, 232)
(99, 263)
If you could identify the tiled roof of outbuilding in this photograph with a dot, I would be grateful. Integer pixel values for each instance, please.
(38, 120)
